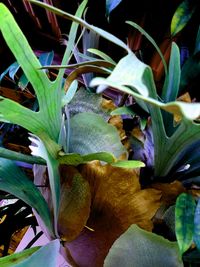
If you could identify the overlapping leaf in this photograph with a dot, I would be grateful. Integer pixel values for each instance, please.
(137, 248)
(117, 202)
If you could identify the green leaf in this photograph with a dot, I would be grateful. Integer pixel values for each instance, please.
(151, 40)
(39, 149)
(128, 72)
(131, 74)
(46, 255)
(139, 248)
(110, 5)
(70, 159)
(48, 118)
(91, 134)
(181, 16)
(14, 181)
(82, 22)
(128, 164)
(171, 86)
(102, 156)
(14, 259)
(184, 221)
(101, 55)
(123, 111)
(70, 93)
(197, 225)
(15, 113)
(72, 34)
(13, 155)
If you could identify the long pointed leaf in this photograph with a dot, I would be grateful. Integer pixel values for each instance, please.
(181, 16)
(82, 22)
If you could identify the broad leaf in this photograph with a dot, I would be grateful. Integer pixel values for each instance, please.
(32, 257)
(14, 181)
(181, 16)
(90, 134)
(128, 72)
(184, 221)
(140, 248)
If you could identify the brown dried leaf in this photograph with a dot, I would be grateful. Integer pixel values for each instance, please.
(169, 191)
(74, 203)
(117, 202)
